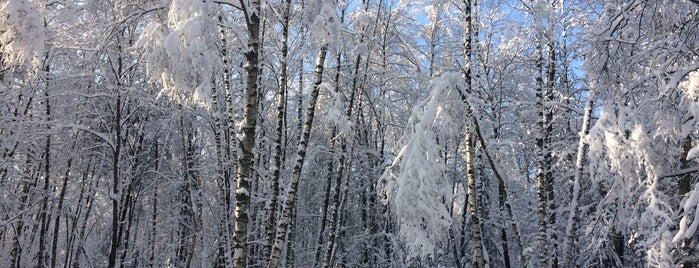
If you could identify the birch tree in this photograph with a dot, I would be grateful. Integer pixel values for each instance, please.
(478, 257)
(251, 12)
(291, 195)
(281, 115)
(441, 133)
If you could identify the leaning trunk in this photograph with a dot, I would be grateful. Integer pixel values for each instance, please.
(571, 229)
(300, 156)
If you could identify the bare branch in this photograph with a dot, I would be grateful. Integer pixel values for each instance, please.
(229, 3)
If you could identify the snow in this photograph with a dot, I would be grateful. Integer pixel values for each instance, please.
(693, 153)
(415, 191)
(325, 26)
(649, 92)
(335, 110)
(103, 136)
(180, 54)
(691, 90)
(23, 36)
(689, 223)
(242, 191)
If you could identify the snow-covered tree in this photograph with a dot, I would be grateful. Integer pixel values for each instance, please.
(373, 133)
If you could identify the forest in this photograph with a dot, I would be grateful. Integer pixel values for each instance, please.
(349, 133)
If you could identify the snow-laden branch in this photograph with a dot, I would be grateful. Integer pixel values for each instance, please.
(689, 221)
(23, 35)
(180, 54)
(231, 3)
(679, 172)
(415, 189)
(103, 136)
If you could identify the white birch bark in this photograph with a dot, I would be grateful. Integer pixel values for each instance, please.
(300, 156)
(571, 229)
(222, 254)
(473, 200)
(548, 128)
(281, 108)
(251, 10)
(478, 257)
(541, 167)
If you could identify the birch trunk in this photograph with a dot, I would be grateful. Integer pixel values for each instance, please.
(227, 132)
(154, 223)
(326, 205)
(188, 219)
(222, 250)
(16, 251)
(478, 257)
(571, 229)
(300, 156)
(193, 184)
(541, 165)
(44, 215)
(290, 250)
(548, 128)
(334, 245)
(115, 185)
(472, 201)
(281, 114)
(328, 184)
(247, 135)
(334, 223)
(73, 243)
(71, 228)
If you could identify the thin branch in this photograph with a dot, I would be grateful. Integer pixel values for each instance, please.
(229, 3)
(686, 170)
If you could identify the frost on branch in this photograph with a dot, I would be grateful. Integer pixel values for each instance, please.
(181, 53)
(689, 221)
(690, 206)
(625, 163)
(22, 34)
(333, 108)
(324, 25)
(691, 90)
(414, 184)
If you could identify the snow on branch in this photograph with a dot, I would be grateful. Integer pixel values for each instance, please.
(689, 221)
(181, 53)
(323, 22)
(235, 4)
(102, 136)
(414, 183)
(22, 34)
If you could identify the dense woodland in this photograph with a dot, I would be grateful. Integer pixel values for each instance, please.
(349, 133)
